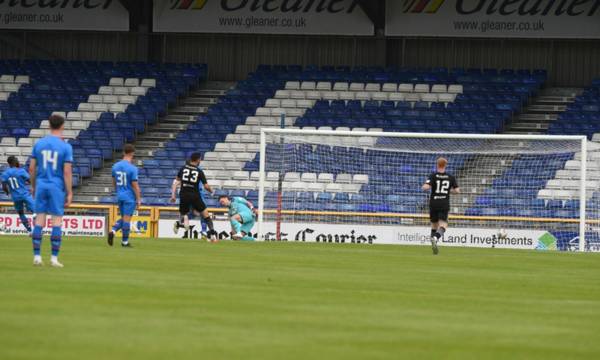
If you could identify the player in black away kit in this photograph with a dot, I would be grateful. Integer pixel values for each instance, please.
(189, 177)
(441, 185)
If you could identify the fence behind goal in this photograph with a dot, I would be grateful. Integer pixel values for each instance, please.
(347, 186)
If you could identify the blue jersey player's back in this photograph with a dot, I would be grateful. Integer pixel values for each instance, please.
(124, 174)
(51, 153)
(16, 180)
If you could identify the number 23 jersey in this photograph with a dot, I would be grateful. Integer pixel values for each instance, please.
(441, 184)
(190, 177)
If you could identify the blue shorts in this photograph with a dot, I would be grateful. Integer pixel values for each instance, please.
(127, 207)
(24, 202)
(49, 199)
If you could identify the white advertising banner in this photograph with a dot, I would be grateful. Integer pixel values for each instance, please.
(494, 18)
(369, 234)
(99, 15)
(10, 224)
(322, 17)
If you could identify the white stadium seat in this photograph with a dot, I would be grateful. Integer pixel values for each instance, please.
(397, 96)
(341, 86)
(105, 90)
(120, 90)
(116, 82)
(22, 79)
(455, 89)
(325, 178)
(405, 88)
(308, 85)
(282, 94)
(7, 79)
(131, 82)
(421, 88)
(292, 85)
(272, 103)
(357, 87)
(95, 99)
(324, 86)
(148, 83)
(373, 87)
(309, 177)
(439, 88)
(389, 87)
(137, 91)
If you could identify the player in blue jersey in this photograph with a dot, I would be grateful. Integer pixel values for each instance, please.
(129, 197)
(241, 215)
(51, 171)
(15, 181)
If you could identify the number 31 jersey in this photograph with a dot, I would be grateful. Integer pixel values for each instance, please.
(190, 177)
(51, 153)
(125, 173)
(441, 184)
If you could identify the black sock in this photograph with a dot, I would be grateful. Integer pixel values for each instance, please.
(209, 223)
(433, 232)
(440, 232)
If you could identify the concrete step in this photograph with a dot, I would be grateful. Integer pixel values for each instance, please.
(525, 132)
(529, 126)
(553, 100)
(170, 127)
(86, 199)
(149, 144)
(199, 101)
(189, 110)
(537, 117)
(546, 109)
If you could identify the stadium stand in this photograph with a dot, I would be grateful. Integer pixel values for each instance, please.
(372, 99)
(105, 103)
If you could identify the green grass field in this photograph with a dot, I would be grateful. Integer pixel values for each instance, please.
(183, 299)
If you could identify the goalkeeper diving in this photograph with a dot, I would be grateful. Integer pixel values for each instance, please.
(242, 216)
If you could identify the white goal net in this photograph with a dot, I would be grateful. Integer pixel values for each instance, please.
(365, 187)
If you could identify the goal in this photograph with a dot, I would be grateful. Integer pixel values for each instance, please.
(342, 186)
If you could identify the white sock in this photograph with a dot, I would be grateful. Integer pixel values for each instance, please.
(37, 257)
(54, 258)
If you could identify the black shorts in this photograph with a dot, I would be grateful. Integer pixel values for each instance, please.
(436, 215)
(190, 201)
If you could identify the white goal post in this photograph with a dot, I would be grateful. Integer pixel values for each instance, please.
(374, 178)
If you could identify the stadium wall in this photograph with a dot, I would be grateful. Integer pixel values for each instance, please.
(233, 56)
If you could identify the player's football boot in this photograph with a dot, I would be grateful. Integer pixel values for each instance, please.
(434, 246)
(56, 264)
(176, 227)
(212, 236)
(237, 236)
(128, 245)
(111, 238)
(37, 261)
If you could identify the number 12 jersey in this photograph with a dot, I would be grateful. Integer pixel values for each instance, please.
(441, 184)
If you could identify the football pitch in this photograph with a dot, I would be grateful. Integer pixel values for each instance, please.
(185, 299)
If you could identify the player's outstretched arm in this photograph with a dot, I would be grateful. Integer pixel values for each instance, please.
(208, 188)
(138, 193)
(32, 174)
(68, 176)
(174, 187)
(426, 187)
